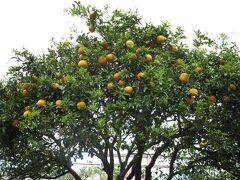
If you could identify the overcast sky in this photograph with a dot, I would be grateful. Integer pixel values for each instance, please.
(31, 23)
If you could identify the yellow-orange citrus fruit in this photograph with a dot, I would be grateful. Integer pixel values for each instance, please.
(128, 89)
(121, 82)
(212, 99)
(81, 105)
(232, 87)
(66, 79)
(184, 77)
(179, 62)
(27, 85)
(26, 113)
(91, 28)
(124, 71)
(161, 39)
(66, 43)
(55, 85)
(174, 47)
(129, 43)
(110, 85)
(110, 57)
(92, 15)
(58, 103)
(133, 56)
(117, 76)
(82, 57)
(199, 69)
(226, 99)
(14, 122)
(25, 92)
(203, 143)
(83, 63)
(140, 75)
(26, 108)
(190, 100)
(102, 60)
(41, 103)
(193, 92)
(82, 50)
(105, 45)
(148, 57)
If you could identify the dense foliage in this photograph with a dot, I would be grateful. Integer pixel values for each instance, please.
(123, 88)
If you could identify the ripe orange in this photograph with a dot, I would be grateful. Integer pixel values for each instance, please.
(174, 47)
(110, 57)
(140, 75)
(91, 28)
(193, 92)
(133, 56)
(25, 92)
(83, 63)
(110, 85)
(184, 77)
(179, 62)
(203, 143)
(129, 43)
(102, 60)
(105, 45)
(121, 82)
(55, 85)
(66, 43)
(199, 69)
(138, 50)
(226, 99)
(26, 108)
(148, 57)
(14, 122)
(82, 50)
(232, 87)
(212, 99)
(92, 15)
(161, 39)
(82, 57)
(41, 103)
(27, 85)
(117, 76)
(190, 100)
(26, 113)
(124, 71)
(58, 103)
(128, 89)
(81, 105)
(66, 79)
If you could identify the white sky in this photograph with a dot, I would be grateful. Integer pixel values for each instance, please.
(31, 23)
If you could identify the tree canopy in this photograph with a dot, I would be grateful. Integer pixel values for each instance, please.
(123, 87)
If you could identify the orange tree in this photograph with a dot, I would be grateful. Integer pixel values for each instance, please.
(123, 88)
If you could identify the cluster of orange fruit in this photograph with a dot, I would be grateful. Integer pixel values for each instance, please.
(184, 77)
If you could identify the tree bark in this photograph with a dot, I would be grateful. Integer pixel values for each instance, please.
(138, 164)
(74, 174)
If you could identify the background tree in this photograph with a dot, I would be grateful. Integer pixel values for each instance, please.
(122, 88)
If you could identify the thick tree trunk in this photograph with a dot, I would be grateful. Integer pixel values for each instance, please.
(74, 174)
(138, 165)
(109, 170)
